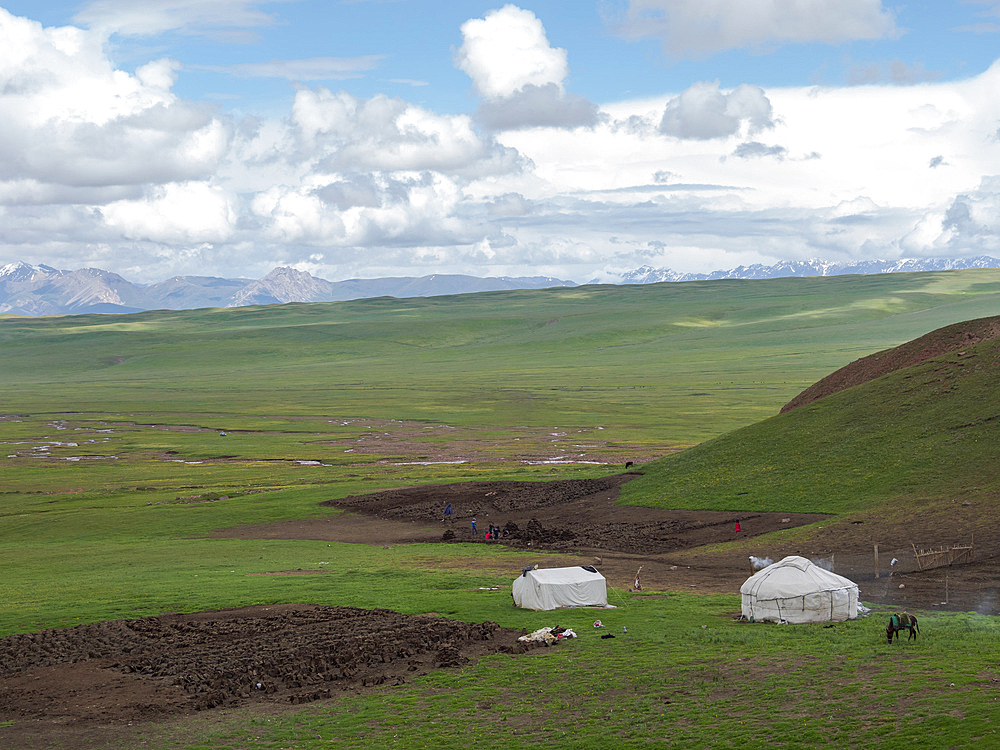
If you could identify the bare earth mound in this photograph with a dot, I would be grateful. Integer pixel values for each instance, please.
(55, 685)
(578, 515)
(575, 516)
(945, 340)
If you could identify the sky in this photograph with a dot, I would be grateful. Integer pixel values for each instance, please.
(578, 139)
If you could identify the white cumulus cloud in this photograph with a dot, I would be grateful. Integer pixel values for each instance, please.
(383, 133)
(969, 225)
(175, 213)
(371, 210)
(519, 74)
(508, 50)
(703, 111)
(68, 117)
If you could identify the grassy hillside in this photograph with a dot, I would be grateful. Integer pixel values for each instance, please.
(924, 431)
(664, 365)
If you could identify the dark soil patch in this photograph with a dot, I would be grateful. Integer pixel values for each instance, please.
(579, 515)
(63, 686)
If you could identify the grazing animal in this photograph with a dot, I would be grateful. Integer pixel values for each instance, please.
(901, 621)
(628, 464)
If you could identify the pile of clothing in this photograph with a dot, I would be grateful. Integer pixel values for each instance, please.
(548, 636)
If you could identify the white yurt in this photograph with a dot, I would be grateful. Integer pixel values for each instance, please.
(796, 590)
(550, 588)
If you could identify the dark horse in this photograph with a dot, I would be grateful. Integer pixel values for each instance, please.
(902, 621)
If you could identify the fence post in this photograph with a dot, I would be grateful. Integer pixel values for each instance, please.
(876, 561)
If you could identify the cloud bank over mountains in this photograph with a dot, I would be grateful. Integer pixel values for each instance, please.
(110, 167)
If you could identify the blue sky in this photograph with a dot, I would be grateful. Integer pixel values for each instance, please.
(414, 41)
(573, 139)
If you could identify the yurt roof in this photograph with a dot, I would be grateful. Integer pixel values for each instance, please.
(793, 576)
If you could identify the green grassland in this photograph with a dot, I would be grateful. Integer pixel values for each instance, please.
(666, 364)
(116, 525)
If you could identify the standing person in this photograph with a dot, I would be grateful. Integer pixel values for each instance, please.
(473, 526)
(447, 513)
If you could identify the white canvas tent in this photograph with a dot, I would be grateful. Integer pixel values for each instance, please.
(550, 588)
(796, 590)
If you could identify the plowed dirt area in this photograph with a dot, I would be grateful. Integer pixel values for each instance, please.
(81, 686)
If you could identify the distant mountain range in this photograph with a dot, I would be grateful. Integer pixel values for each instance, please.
(43, 290)
(649, 275)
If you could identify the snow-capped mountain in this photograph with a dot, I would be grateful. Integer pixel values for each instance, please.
(43, 290)
(649, 275)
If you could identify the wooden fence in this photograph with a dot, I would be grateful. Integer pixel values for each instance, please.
(953, 554)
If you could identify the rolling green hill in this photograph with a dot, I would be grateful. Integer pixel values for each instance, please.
(924, 431)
